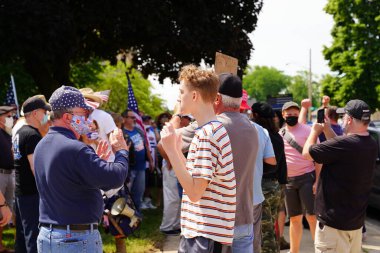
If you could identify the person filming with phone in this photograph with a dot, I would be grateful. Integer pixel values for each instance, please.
(345, 180)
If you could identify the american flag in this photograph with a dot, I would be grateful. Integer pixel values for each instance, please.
(132, 105)
(93, 104)
(11, 96)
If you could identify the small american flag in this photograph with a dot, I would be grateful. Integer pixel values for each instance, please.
(104, 95)
(11, 96)
(132, 105)
(93, 104)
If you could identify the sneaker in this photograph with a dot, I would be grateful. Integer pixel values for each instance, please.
(144, 206)
(172, 232)
(284, 244)
(151, 206)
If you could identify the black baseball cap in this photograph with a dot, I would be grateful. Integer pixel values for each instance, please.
(290, 104)
(34, 103)
(230, 85)
(357, 109)
(264, 110)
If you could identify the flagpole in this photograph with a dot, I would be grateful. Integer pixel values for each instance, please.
(15, 94)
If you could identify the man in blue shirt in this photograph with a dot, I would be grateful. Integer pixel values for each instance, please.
(70, 175)
(136, 182)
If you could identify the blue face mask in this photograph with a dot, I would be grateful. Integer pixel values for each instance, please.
(45, 119)
(80, 125)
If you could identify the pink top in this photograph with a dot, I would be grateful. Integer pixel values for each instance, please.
(297, 164)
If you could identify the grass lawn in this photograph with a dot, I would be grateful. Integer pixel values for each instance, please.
(147, 239)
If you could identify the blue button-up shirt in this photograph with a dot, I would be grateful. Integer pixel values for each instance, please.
(69, 176)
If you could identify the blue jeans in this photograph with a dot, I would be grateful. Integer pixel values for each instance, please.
(136, 186)
(51, 240)
(27, 213)
(243, 239)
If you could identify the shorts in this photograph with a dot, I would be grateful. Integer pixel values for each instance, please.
(201, 244)
(331, 240)
(299, 197)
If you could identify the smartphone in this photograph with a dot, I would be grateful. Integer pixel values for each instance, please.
(321, 116)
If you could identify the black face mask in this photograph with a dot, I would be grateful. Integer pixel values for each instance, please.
(291, 120)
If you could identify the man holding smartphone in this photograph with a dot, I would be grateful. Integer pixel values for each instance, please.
(345, 180)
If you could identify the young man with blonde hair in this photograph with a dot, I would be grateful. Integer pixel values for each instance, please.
(207, 175)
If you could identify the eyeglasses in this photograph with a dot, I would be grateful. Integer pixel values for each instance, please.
(131, 117)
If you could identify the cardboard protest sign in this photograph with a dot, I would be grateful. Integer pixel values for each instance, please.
(225, 64)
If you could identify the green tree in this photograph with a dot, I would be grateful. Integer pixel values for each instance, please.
(354, 53)
(330, 87)
(104, 76)
(25, 86)
(48, 36)
(263, 81)
(298, 87)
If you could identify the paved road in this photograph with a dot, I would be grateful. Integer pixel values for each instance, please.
(371, 244)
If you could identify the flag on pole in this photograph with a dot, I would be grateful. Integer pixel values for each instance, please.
(132, 105)
(11, 96)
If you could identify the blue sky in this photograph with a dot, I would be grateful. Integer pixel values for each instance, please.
(285, 32)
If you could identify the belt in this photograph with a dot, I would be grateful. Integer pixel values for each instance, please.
(74, 227)
(3, 171)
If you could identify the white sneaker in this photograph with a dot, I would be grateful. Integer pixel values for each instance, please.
(144, 206)
(151, 206)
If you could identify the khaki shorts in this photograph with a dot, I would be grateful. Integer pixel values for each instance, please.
(331, 240)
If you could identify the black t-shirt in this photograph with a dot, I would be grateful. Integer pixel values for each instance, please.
(6, 158)
(345, 181)
(281, 172)
(24, 143)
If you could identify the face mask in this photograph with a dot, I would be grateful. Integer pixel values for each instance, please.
(291, 120)
(80, 125)
(44, 120)
(8, 125)
(92, 135)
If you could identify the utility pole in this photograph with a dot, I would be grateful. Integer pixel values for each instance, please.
(309, 86)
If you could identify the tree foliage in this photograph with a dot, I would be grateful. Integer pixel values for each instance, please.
(48, 36)
(104, 76)
(298, 87)
(262, 81)
(354, 53)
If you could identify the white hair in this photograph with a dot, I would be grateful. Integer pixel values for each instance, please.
(231, 102)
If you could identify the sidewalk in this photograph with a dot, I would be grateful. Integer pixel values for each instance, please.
(371, 245)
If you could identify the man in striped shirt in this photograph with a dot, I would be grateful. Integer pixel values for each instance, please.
(207, 175)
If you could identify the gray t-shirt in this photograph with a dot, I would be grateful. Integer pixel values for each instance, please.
(244, 144)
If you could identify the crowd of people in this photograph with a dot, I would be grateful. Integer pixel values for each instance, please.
(229, 173)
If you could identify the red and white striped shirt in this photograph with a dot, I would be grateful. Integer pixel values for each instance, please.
(210, 157)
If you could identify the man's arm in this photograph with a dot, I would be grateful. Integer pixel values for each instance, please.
(318, 168)
(316, 130)
(270, 160)
(4, 211)
(305, 105)
(30, 159)
(327, 130)
(172, 143)
(162, 152)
